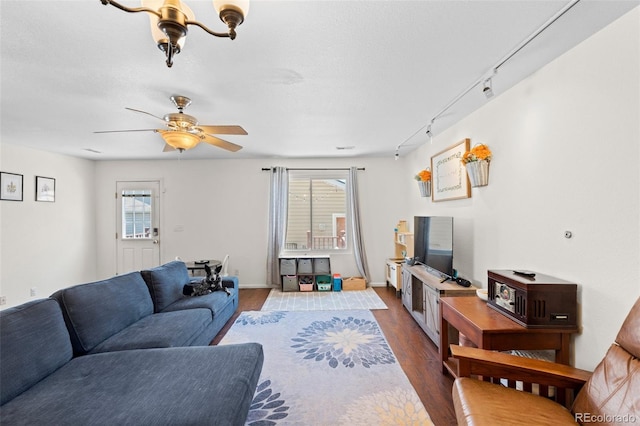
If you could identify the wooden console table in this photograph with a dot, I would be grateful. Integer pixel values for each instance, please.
(491, 330)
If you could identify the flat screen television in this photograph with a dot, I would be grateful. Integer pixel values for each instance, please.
(433, 244)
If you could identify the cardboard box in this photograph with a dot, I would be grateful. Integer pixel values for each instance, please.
(354, 283)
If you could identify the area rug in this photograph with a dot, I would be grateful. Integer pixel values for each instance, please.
(322, 300)
(326, 368)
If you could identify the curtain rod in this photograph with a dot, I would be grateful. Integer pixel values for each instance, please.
(266, 169)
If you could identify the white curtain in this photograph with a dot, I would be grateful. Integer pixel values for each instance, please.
(354, 223)
(279, 188)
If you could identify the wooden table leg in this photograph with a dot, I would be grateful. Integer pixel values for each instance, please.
(444, 340)
(563, 355)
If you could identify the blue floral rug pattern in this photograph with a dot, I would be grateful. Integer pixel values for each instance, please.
(344, 342)
(326, 368)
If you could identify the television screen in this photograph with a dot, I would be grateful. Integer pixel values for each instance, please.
(433, 244)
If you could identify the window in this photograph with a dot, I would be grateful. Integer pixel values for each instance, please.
(136, 213)
(316, 216)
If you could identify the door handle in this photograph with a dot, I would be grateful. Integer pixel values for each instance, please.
(156, 242)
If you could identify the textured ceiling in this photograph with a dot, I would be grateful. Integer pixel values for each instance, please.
(302, 77)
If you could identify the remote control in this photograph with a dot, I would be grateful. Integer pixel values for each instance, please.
(463, 282)
(527, 274)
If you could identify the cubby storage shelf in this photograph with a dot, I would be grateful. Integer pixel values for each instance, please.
(295, 272)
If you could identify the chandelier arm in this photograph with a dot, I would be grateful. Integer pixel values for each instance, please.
(214, 33)
(131, 9)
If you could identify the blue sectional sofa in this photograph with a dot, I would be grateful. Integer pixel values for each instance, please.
(142, 310)
(127, 350)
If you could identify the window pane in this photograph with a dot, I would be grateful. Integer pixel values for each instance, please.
(317, 213)
(136, 213)
(327, 205)
(299, 213)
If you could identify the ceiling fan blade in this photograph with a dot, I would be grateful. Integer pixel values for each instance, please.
(223, 130)
(145, 112)
(122, 131)
(220, 143)
(168, 148)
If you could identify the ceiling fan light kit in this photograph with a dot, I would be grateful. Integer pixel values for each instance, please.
(170, 20)
(179, 140)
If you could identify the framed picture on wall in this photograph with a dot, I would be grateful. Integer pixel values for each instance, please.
(10, 186)
(449, 176)
(45, 189)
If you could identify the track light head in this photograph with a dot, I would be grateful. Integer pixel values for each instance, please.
(429, 133)
(487, 89)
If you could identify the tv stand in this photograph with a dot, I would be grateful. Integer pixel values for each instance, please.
(421, 293)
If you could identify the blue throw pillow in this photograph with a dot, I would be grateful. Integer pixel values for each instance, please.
(166, 282)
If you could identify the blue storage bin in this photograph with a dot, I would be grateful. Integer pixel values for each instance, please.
(337, 282)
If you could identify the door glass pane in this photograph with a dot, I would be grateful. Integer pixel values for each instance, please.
(136, 213)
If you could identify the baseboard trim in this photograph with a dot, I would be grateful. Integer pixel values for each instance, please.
(243, 285)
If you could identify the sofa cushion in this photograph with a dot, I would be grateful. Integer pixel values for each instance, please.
(34, 342)
(163, 330)
(481, 403)
(165, 283)
(96, 311)
(209, 385)
(215, 301)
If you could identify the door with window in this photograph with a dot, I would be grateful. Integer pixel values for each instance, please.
(137, 229)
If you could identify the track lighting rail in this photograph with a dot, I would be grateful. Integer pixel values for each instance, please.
(486, 78)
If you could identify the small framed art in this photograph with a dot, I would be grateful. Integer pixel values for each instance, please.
(450, 181)
(10, 186)
(45, 189)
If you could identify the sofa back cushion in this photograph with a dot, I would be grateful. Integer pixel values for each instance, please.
(165, 283)
(34, 343)
(611, 393)
(96, 311)
(612, 390)
(628, 336)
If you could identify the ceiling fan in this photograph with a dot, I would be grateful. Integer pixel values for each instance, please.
(183, 131)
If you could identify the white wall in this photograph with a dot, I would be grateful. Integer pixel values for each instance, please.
(44, 245)
(566, 150)
(211, 208)
(566, 155)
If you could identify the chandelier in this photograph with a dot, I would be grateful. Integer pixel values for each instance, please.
(170, 18)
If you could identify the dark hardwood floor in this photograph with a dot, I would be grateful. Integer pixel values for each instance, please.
(417, 355)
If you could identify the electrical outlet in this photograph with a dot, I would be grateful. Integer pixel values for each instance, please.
(3, 300)
(34, 291)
